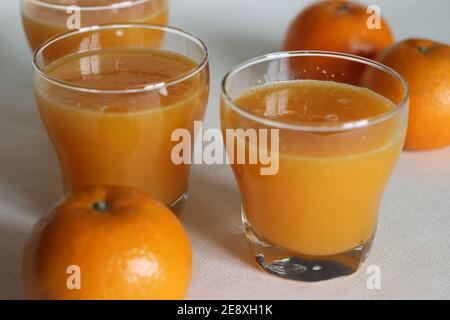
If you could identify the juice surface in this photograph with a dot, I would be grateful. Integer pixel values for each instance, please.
(314, 102)
(121, 138)
(325, 197)
(42, 23)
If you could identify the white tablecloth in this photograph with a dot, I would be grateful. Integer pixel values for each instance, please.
(412, 247)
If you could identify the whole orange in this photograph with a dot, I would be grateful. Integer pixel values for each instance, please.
(425, 65)
(339, 26)
(108, 243)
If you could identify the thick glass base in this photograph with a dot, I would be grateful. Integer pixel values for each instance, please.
(290, 265)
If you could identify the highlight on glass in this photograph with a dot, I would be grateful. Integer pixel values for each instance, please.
(340, 135)
(43, 19)
(110, 101)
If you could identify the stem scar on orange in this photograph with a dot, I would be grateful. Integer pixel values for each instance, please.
(425, 65)
(108, 243)
(339, 26)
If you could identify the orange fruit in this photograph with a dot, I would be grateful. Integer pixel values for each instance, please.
(425, 65)
(108, 243)
(339, 26)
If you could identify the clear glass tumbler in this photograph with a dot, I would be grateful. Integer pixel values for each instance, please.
(110, 103)
(43, 19)
(339, 135)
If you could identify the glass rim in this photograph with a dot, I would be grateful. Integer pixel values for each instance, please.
(118, 5)
(142, 88)
(315, 127)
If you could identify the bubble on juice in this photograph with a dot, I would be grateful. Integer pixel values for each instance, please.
(343, 101)
(331, 117)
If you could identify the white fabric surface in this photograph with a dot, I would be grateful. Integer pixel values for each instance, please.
(412, 247)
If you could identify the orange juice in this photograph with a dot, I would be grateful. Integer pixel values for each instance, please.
(324, 200)
(110, 137)
(43, 21)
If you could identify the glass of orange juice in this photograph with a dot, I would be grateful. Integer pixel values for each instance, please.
(43, 19)
(110, 103)
(335, 143)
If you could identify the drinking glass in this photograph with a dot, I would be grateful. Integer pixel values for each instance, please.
(43, 19)
(315, 218)
(112, 124)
